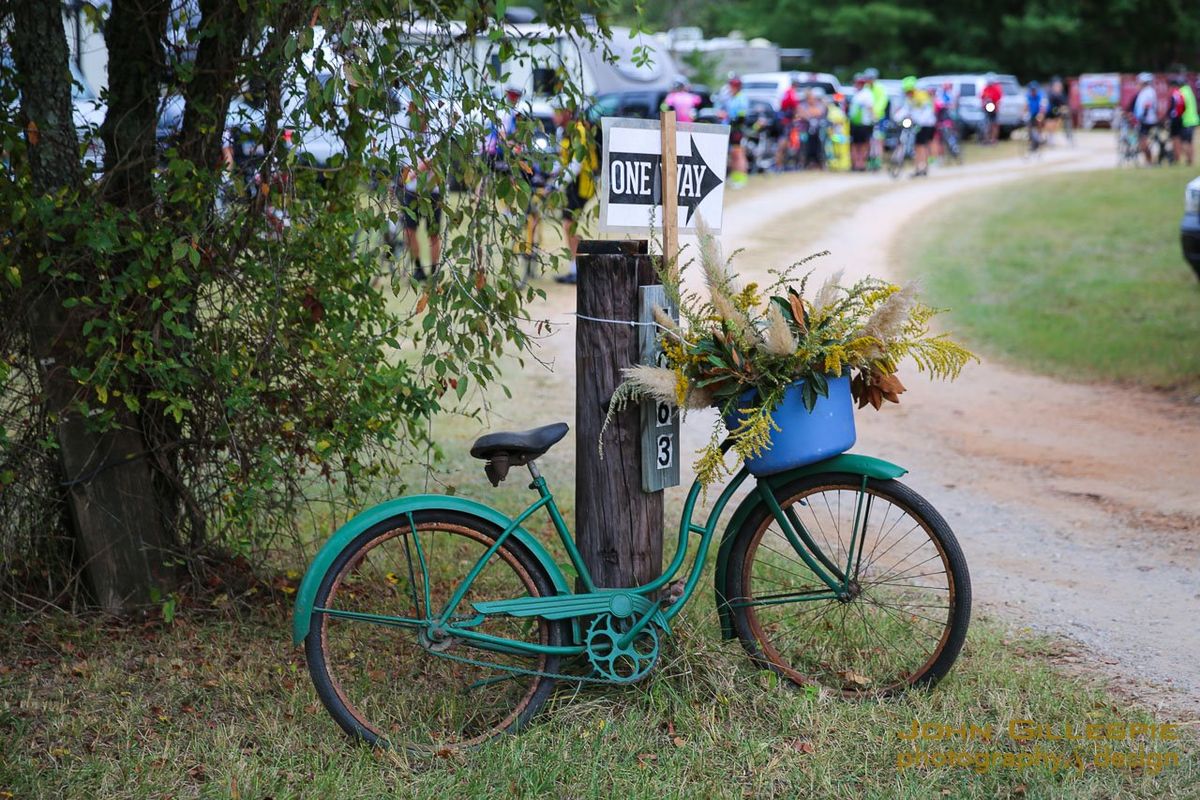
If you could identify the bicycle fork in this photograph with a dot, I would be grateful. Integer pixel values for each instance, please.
(841, 581)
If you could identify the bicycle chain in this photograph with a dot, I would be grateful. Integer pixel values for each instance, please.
(559, 676)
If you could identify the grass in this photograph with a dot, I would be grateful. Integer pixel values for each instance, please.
(1079, 276)
(219, 707)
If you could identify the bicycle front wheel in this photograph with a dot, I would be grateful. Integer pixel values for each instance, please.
(383, 675)
(904, 617)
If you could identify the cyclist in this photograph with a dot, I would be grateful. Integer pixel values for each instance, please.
(1057, 107)
(812, 115)
(917, 106)
(422, 195)
(733, 108)
(683, 100)
(862, 123)
(879, 93)
(991, 95)
(498, 134)
(1035, 112)
(943, 102)
(1175, 108)
(1191, 120)
(576, 173)
(784, 129)
(1145, 111)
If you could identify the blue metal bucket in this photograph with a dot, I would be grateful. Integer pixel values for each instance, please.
(804, 437)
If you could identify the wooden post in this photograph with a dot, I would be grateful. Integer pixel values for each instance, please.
(670, 189)
(618, 527)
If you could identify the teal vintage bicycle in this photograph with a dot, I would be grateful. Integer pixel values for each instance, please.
(434, 622)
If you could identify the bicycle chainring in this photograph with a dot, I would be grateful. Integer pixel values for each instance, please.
(615, 663)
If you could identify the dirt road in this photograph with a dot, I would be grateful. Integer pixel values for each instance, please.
(1078, 505)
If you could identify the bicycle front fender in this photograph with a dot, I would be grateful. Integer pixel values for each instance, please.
(846, 463)
(343, 536)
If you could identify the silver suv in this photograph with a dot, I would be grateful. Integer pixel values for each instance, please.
(968, 101)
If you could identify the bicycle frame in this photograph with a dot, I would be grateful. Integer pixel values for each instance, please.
(633, 602)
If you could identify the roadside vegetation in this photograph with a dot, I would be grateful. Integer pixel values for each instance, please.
(1079, 276)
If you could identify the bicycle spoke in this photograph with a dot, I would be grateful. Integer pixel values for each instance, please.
(887, 631)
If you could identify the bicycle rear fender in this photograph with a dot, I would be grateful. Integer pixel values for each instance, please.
(846, 463)
(306, 594)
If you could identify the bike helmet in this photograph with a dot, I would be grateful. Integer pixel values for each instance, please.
(909, 84)
(1034, 86)
(871, 74)
(1144, 77)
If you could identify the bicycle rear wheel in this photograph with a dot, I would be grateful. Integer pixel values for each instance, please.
(393, 684)
(906, 616)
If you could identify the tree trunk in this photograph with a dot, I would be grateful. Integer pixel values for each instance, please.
(618, 526)
(118, 524)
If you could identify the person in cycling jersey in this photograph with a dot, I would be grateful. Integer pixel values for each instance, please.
(812, 113)
(882, 101)
(1176, 105)
(943, 101)
(991, 95)
(576, 173)
(496, 141)
(1057, 104)
(917, 106)
(733, 107)
(1145, 112)
(421, 196)
(1036, 107)
(785, 121)
(683, 100)
(862, 123)
(1191, 120)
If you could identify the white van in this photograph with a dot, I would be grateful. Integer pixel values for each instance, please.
(770, 87)
(968, 103)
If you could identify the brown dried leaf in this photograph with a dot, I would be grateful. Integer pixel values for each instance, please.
(887, 383)
(854, 679)
(797, 310)
(422, 302)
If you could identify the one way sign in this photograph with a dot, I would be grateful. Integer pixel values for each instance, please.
(630, 185)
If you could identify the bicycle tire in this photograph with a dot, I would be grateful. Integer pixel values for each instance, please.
(393, 687)
(851, 660)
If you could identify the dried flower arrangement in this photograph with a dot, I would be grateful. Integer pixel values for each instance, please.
(747, 338)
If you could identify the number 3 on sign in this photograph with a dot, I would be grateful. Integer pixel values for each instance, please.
(665, 451)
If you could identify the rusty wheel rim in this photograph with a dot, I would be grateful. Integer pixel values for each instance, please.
(383, 737)
(770, 652)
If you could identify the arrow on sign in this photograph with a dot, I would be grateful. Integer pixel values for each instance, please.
(634, 179)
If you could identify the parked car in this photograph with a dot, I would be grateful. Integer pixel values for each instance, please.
(968, 104)
(640, 104)
(770, 87)
(1189, 226)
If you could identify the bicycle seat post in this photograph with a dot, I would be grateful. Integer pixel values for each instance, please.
(534, 472)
